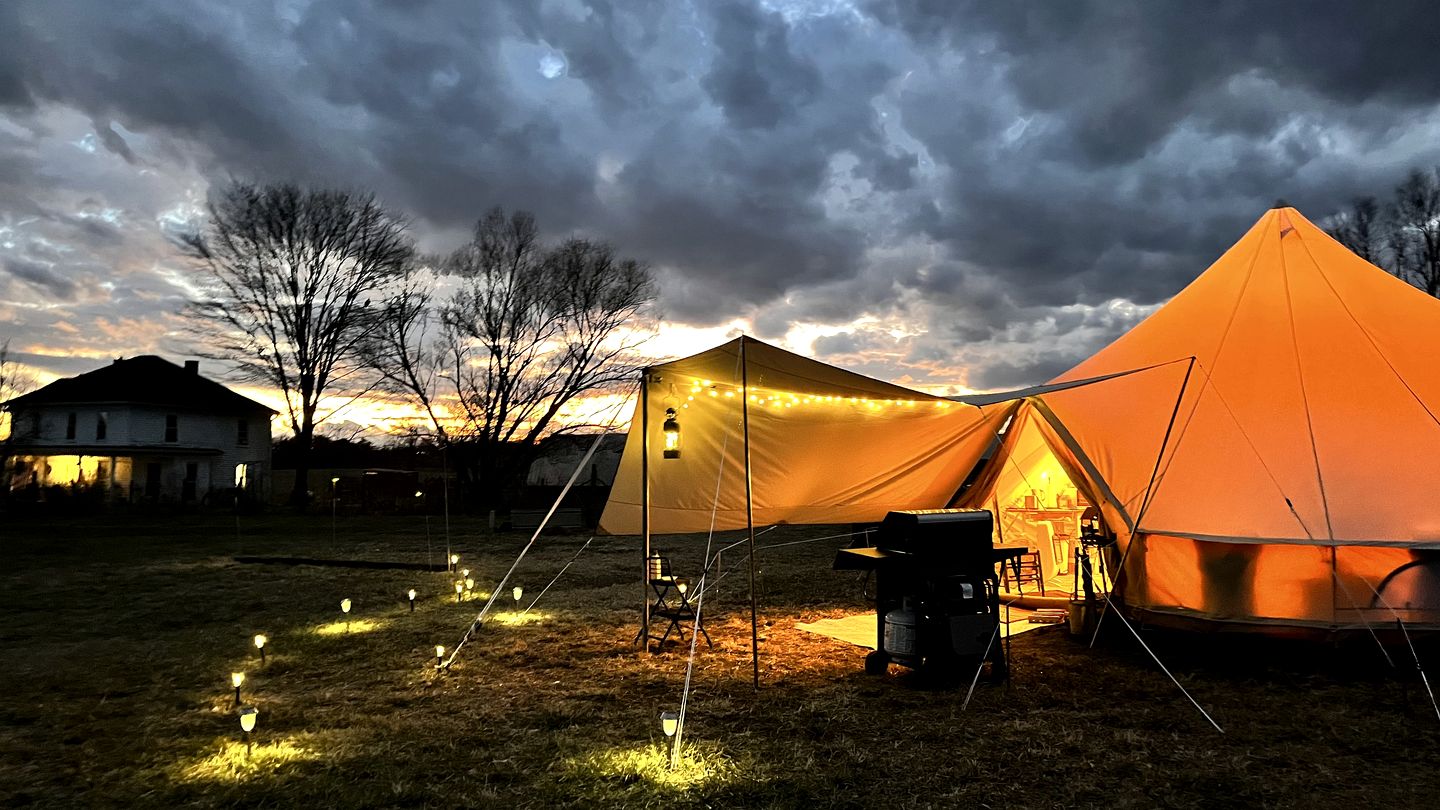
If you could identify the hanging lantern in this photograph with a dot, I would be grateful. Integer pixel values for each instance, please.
(672, 434)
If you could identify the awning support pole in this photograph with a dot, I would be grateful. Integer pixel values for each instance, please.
(749, 512)
(644, 405)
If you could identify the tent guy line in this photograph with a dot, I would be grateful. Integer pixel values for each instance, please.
(500, 586)
(699, 617)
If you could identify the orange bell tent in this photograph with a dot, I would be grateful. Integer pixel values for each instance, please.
(1277, 462)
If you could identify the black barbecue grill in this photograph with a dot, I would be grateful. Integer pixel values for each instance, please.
(937, 598)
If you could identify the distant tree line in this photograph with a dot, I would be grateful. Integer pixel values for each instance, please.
(323, 295)
(1402, 235)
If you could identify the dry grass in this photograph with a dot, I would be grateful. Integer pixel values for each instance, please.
(119, 638)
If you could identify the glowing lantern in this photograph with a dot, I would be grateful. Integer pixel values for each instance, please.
(237, 678)
(345, 606)
(517, 593)
(669, 722)
(671, 429)
(454, 560)
(682, 587)
(411, 595)
(439, 655)
(260, 640)
(465, 573)
(469, 585)
(459, 589)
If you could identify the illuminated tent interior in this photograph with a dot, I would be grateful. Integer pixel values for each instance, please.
(1263, 447)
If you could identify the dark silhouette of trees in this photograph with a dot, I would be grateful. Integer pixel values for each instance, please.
(1403, 236)
(289, 277)
(527, 328)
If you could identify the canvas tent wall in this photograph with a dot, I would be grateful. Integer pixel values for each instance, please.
(1277, 462)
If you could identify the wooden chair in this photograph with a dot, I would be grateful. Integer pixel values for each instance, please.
(1022, 569)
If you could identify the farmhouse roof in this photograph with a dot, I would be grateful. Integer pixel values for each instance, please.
(144, 380)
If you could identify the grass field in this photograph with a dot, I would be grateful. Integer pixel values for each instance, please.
(118, 640)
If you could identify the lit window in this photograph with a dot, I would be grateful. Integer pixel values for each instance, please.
(172, 427)
(102, 422)
(70, 426)
(242, 476)
(242, 432)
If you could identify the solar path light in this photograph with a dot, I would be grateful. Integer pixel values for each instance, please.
(410, 594)
(260, 641)
(247, 724)
(237, 678)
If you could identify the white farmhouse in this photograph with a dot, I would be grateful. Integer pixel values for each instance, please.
(142, 429)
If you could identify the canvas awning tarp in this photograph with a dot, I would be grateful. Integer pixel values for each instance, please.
(826, 445)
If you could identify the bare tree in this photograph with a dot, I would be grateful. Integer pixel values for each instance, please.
(1413, 232)
(1360, 229)
(290, 274)
(14, 381)
(527, 330)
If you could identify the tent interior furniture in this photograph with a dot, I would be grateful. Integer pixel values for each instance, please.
(1023, 567)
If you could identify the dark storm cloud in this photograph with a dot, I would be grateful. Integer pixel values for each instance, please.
(1150, 134)
(41, 276)
(991, 177)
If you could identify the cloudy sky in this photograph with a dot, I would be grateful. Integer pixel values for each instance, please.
(971, 195)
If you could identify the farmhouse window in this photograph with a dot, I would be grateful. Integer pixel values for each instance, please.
(70, 426)
(172, 427)
(102, 423)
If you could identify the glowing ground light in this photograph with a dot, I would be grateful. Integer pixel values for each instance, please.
(439, 655)
(260, 641)
(465, 573)
(345, 606)
(236, 679)
(517, 593)
(459, 589)
(410, 594)
(248, 716)
(703, 764)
